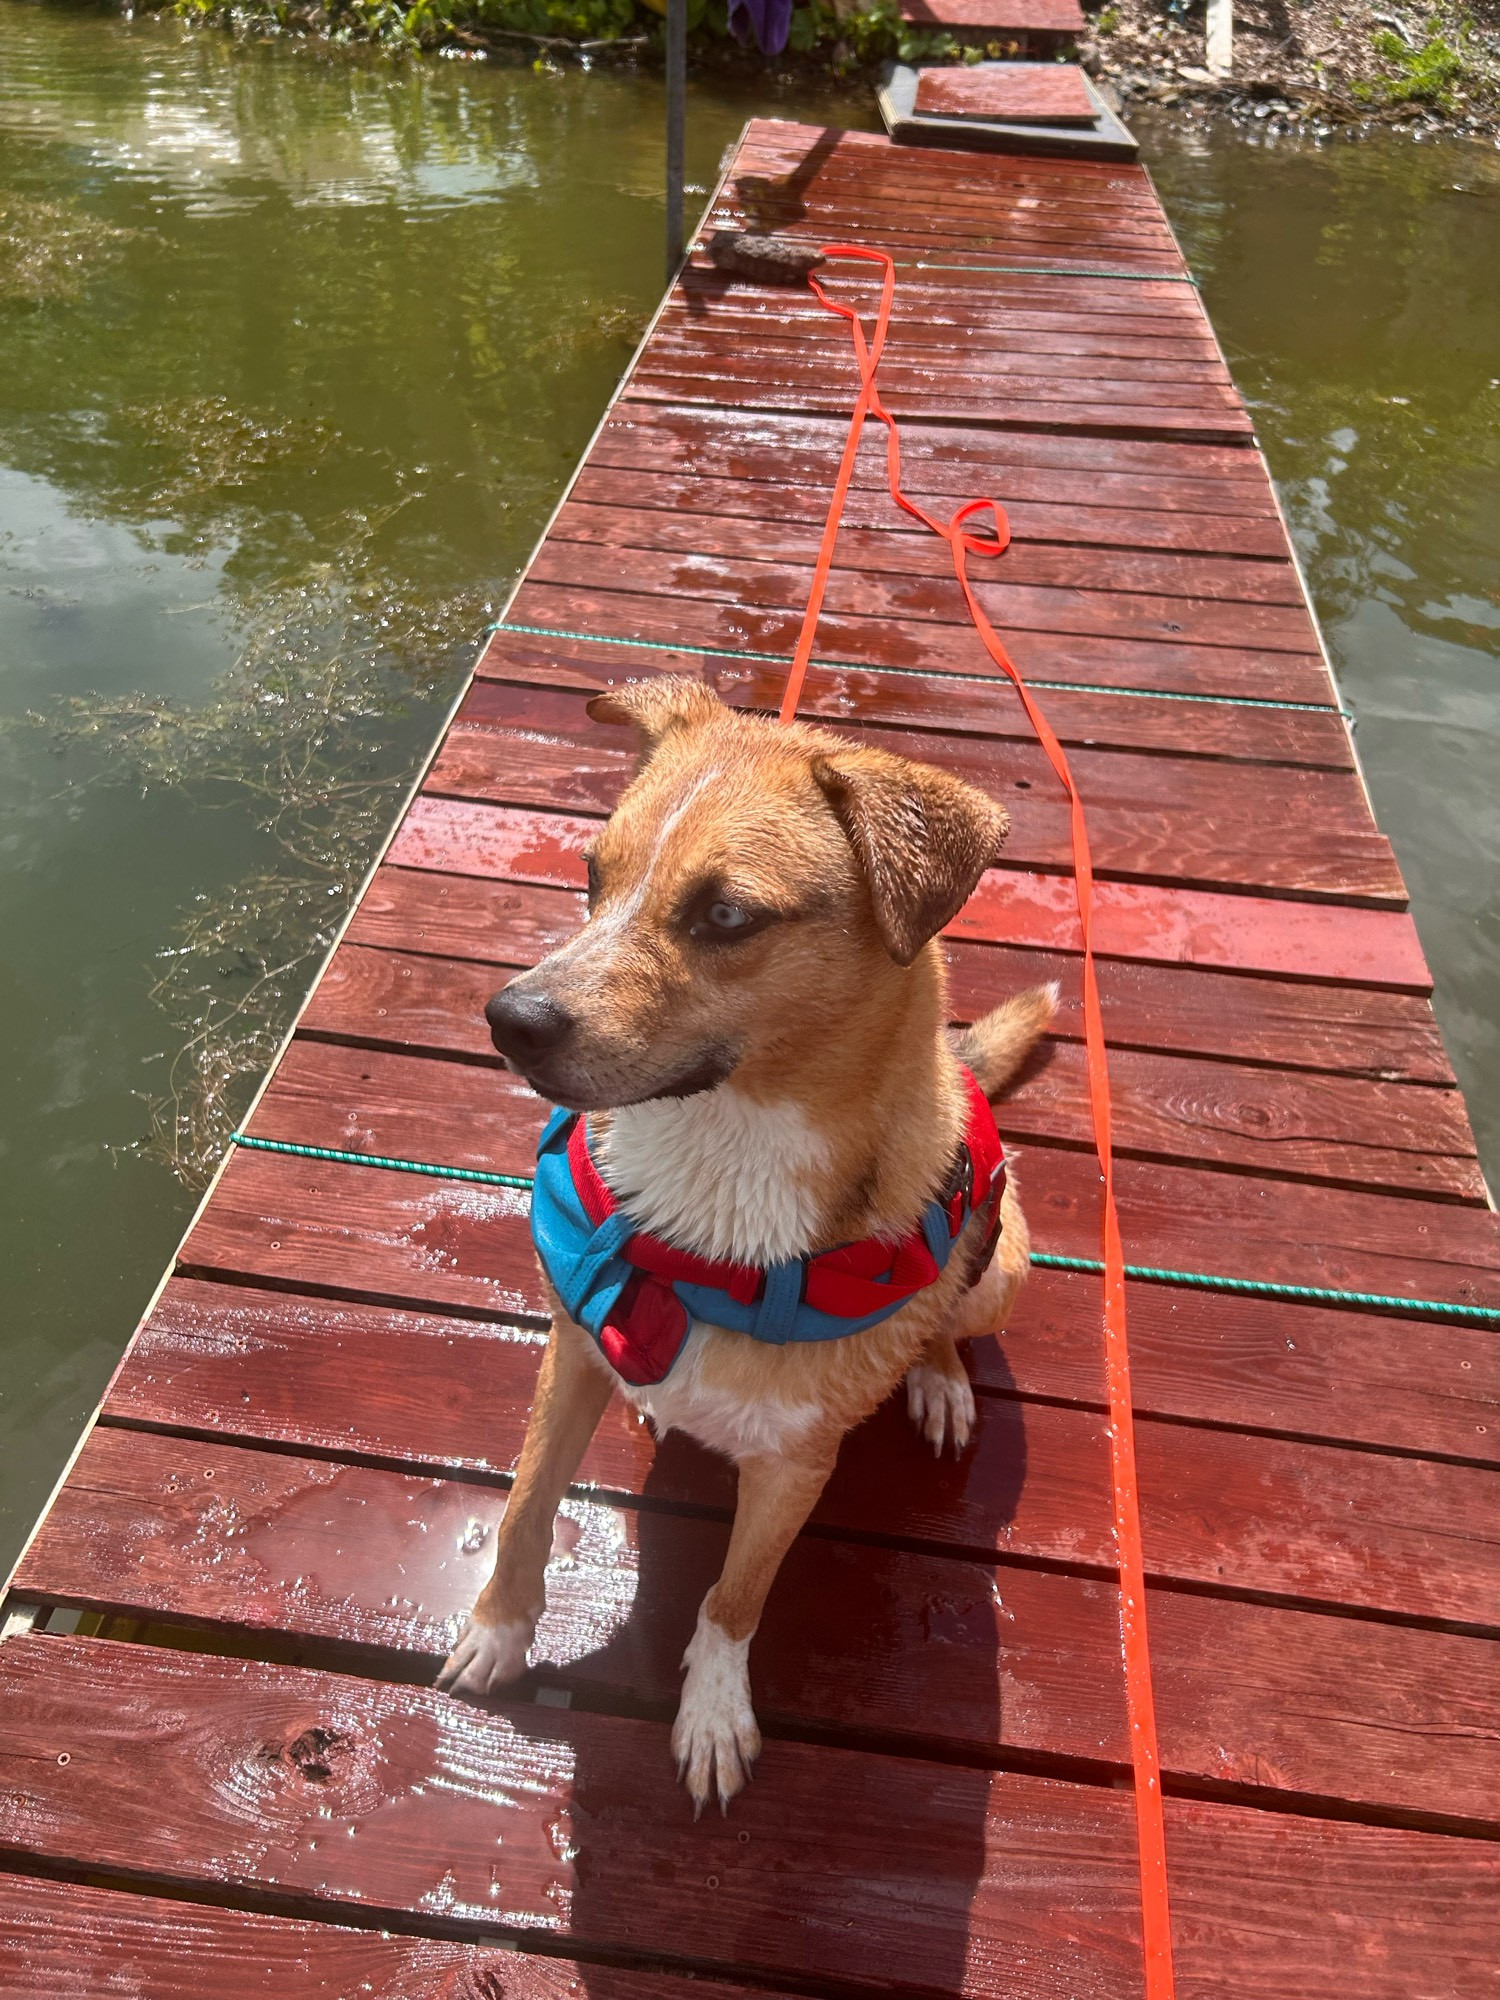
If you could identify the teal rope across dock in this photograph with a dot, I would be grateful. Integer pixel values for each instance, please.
(1260, 1288)
(912, 673)
(522, 1181)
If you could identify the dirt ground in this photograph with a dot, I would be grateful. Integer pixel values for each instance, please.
(1303, 63)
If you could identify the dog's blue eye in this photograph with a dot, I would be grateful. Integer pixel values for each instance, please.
(723, 922)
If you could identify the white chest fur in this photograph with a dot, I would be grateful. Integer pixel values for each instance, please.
(719, 1173)
(724, 1418)
(724, 1176)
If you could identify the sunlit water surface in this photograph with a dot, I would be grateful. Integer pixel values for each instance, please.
(298, 348)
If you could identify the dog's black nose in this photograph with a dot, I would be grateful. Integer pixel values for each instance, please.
(527, 1026)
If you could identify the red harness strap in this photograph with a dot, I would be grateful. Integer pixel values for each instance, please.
(1150, 1827)
(857, 1282)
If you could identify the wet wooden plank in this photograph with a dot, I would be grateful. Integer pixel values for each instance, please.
(1194, 1011)
(882, 1643)
(1050, 523)
(948, 324)
(1101, 717)
(761, 587)
(1052, 93)
(711, 302)
(1056, 238)
(1056, 17)
(1316, 1371)
(276, 1366)
(973, 369)
(784, 173)
(1148, 921)
(403, 1239)
(1150, 818)
(1028, 403)
(1038, 202)
(932, 1876)
(974, 377)
(85, 1943)
(1221, 1509)
(907, 550)
(1077, 472)
(334, 1792)
(1043, 655)
(380, 1097)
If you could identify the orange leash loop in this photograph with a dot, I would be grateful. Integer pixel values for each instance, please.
(1156, 1932)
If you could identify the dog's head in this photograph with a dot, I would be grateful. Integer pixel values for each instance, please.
(755, 885)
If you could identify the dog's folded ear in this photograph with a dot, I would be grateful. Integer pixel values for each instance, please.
(921, 837)
(657, 707)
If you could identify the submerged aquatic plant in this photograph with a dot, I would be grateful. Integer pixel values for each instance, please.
(300, 735)
(49, 249)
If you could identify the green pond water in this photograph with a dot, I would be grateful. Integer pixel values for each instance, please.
(297, 348)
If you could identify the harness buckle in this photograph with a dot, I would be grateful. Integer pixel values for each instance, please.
(957, 1192)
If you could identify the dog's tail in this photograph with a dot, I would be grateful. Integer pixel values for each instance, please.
(998, 1044)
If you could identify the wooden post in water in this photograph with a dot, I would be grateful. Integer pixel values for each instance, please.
(676, 128)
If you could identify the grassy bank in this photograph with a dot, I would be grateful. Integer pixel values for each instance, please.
(1301, 63)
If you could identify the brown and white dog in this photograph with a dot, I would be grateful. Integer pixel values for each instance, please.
(754, 1018)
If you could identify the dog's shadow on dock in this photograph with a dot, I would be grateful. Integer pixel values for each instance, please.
(878, 1677)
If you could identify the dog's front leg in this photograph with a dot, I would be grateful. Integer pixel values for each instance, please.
(715, 1738)
(571, 1394)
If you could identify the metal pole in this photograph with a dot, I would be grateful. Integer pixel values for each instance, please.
(676, 125)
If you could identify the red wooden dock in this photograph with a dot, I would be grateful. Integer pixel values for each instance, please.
(232, 1778)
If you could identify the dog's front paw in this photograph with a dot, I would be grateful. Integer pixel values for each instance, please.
(941, 1406)
(715, 1738)
(487, 1658)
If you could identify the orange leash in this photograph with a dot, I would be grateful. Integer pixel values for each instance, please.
(1156, 1933)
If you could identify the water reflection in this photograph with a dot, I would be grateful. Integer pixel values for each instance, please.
(1356, 289)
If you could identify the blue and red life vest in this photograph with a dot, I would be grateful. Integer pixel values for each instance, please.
(638, 1297)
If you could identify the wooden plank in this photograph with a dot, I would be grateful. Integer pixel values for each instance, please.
(1221, 730)
(1023, 17)
(1024, 403)
(1135, 248)
(952, 325)
(1034, 93)
(696, 345)
(401, 1238)
(547, 679)
(781, 177)
(1067, 471)
(937, 647)
(277, 1367)
(380, 1098)
(70, 1939)
(1150, 818)
(758, 586)
(1221, 1509)
(909, 551)
(816, 189)
(881, 1643)
(1316, 1371)
(1056, 17)
(1045, 522)
(1145, 921)
(1341, 1029)
(927, 1875)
